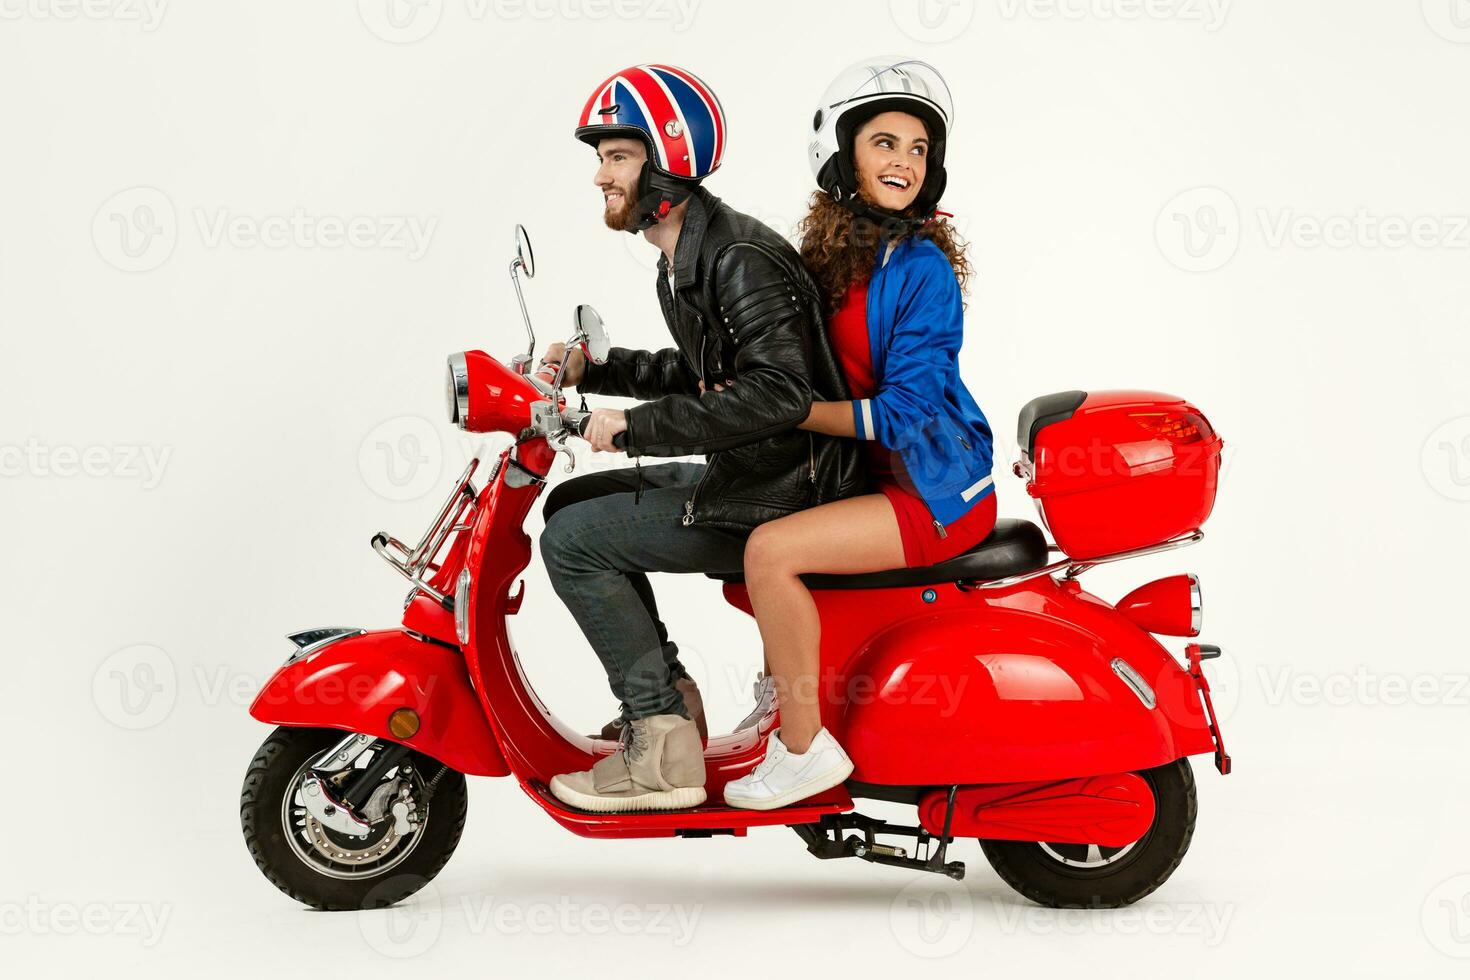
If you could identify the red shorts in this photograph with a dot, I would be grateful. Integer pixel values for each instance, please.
(922, 544)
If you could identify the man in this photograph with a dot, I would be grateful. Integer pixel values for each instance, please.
(750, 356)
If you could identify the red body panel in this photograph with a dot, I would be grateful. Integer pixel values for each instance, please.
(356, 683)
(991, 687)
(1108, 810)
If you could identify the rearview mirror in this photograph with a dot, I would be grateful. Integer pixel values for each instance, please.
(595, 342)
(524, 256)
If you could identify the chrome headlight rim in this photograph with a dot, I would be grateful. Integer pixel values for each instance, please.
(457, 389)
(1196, 606)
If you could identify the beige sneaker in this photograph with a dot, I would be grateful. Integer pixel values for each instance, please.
(693, 703)
(659, 767)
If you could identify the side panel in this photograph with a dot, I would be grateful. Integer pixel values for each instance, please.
(1015, 689)
(356, 683)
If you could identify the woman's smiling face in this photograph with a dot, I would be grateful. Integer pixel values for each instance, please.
(891, 156)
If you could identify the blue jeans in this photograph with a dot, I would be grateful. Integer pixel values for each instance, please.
(599, 547)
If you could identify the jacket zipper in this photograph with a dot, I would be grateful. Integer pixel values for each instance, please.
(688, 517)
(811, 456)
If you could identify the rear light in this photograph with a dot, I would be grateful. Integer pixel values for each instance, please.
(1170, 606)
(1178, 427)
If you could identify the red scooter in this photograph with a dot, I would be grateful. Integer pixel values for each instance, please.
(989, 692)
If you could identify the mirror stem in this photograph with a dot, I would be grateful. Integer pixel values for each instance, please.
(515, 278)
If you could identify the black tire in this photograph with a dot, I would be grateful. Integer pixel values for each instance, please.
(273, 773)
(1039, 872)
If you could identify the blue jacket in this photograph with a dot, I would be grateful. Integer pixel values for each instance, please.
(922, 411)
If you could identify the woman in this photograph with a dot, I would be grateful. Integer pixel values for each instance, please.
(893, 273)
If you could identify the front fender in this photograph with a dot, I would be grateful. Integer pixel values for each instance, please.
(999, 694)
(356, 682)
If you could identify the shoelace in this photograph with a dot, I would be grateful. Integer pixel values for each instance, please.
(775, 752)
(633, 740)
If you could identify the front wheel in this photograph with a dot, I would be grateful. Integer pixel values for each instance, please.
(1089, 876)
(332, 871)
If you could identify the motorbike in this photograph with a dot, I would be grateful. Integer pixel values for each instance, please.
(990, 693)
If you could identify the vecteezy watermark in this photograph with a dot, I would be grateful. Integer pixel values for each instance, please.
(1450, 19)
(1199, 229)
(1210, 13)
(408, 233)
(932, 917)
(407, 21)
(122, 462)
(1362, 229)
(144, 921)
(147, 14)
(136, 687)
(932, 21)
(1363, 686)
(1445, 917)
(412, 927)
(402, 458)
(137, 229)
(1207, 921)
(1445, 459)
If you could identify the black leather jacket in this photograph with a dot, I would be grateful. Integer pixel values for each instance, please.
(742, 310)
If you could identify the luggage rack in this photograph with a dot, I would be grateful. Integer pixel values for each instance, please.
(417, 563)
(1075, 567)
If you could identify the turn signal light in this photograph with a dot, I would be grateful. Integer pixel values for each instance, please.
(1169, 606)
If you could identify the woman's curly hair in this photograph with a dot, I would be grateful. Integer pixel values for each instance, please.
(838, 247)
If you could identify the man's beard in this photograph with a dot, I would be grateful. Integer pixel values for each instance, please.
(625, 216)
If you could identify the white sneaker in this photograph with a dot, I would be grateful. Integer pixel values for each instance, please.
(783, 777)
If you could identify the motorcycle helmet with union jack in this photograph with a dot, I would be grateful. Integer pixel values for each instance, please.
(677, 118)
(859, 93)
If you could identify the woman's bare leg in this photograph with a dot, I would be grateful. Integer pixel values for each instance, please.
(850, 536)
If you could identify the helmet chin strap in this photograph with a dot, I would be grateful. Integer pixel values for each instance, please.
(657, 197)
(891, 224)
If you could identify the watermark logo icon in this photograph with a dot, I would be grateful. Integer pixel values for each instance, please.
(932, 21)
(1445, 459)
(135, 230)
(1199, 229)
(402, 458)
(400, 21)
(932, 918)
(1450, 19)
(405, 930)
(1445, 917)
(136, 687)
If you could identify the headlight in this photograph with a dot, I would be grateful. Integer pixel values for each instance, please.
(462, 606)
(457, 389)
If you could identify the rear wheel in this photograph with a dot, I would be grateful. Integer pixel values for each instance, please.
(334, 871)
(1089, 876)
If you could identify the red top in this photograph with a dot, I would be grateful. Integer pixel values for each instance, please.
(922, 542)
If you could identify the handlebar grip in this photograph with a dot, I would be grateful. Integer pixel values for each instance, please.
(621, 440)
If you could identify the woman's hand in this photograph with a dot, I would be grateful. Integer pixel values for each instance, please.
(602, 425)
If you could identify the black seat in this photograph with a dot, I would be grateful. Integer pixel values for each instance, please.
(1012, 548)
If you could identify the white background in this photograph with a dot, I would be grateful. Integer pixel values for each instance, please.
(1141, 184)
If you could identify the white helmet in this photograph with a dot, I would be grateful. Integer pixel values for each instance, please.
(858, 94)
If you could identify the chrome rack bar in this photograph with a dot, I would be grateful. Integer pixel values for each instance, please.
(1076, 568)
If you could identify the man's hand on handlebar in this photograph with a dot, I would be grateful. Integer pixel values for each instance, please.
(604, 426)
(576, 363)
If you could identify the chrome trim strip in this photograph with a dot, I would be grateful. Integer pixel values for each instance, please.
(310, 641)
(1135, 682)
